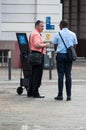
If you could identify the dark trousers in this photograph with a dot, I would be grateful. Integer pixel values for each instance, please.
(35, 79)
(64, 67)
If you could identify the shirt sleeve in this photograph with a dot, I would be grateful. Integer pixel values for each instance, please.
(75, 39)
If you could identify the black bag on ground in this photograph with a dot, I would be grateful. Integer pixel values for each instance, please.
(35, 58)
(72, 53)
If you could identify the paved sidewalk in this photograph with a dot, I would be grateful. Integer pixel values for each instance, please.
(22, 113)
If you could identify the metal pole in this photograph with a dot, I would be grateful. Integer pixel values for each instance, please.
(9, 65)
(50, 67)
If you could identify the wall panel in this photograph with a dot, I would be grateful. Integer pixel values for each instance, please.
(18, 2)
(18, 18)
(18, 9)
(49, 2)
(17, 26)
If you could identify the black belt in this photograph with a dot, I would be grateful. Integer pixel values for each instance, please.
(36, 51)
(61, 53)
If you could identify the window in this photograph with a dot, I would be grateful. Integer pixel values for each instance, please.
(3, 58)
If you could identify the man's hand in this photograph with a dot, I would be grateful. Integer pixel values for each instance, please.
(47, 44)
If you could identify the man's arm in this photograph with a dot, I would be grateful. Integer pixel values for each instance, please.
(55, 47)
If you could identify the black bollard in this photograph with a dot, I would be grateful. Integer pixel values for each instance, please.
(9, 65)
(50, 66)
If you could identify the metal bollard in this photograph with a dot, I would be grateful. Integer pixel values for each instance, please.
(50, 67)
(9, 65)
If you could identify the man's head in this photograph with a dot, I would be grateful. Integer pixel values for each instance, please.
(63, 24)
(39, 25)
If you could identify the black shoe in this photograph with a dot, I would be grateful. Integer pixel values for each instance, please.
(68, 98)
(58, 98)
(38, 96)
(29, 94)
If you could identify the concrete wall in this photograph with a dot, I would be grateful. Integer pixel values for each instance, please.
(20, 15)
(17, 15)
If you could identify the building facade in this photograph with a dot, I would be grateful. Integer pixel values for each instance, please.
(20, 16)
(75, 12)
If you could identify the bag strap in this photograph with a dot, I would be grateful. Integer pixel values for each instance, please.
(62, 40)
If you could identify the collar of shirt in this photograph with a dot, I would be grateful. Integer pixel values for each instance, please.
(64, 29)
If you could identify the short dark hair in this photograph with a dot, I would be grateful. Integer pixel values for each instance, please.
(64, 23)
(38, 22)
